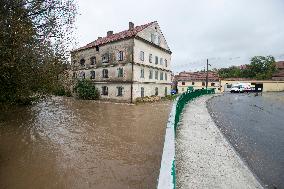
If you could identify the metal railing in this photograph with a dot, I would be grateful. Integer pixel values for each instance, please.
(189, 95)
(167, 177)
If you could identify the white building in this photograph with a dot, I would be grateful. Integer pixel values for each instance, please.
(126, 65)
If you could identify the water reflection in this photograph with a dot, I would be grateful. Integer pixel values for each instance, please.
(63, 143)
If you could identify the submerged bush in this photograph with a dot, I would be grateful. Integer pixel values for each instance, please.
(85, 89)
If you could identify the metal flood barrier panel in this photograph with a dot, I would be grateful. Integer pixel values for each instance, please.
(167, 176)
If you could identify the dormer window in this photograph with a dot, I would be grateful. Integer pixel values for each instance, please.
(82, 62)
(105, 58)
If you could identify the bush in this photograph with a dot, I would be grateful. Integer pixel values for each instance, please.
(86, 90)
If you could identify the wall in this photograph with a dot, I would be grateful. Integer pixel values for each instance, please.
(112, 91)
(149, 49)
(268, 86)
(137, 75)
(197, 85)
(149, 89)
(111, 48)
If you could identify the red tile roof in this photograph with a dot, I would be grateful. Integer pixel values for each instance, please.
(280, 65)
(197, 76)
(115, 37)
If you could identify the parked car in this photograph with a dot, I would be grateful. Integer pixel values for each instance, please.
(173, 92)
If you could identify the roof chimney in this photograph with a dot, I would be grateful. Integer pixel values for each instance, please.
(131, 25)
(109, 33)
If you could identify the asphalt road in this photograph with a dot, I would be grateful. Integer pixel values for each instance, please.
(254, 125)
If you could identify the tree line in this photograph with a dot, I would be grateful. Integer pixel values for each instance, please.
(34, 37)
(260, 67)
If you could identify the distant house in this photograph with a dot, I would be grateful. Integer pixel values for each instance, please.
(196, 80)
(279, 75)
(126, 65)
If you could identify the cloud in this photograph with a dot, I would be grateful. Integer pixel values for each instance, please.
(194, 29)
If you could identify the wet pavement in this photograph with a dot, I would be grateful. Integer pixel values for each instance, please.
(254, 125)
(67, 143)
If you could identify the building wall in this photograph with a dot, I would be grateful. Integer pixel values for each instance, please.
(268, 86)
(111, 48)
(183, 85)
(112, 73)
(149, 49)
(131, 64)
(137, 75)
(149, 89)
(113, 91)
(154, 29)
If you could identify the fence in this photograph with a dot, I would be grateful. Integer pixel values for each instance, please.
(167, 177)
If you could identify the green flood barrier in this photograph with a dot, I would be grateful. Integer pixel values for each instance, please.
(167, 176)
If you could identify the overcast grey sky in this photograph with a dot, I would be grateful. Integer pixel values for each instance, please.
(228, 32)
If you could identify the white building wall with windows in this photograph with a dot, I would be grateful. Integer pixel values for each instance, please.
(147, 51)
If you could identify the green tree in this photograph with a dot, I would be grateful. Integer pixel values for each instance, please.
(262, 67)
(86, 90)
(34, 37)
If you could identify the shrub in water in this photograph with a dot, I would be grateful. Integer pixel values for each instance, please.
(85, 89)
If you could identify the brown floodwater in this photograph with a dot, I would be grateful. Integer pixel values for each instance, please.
(67, 143)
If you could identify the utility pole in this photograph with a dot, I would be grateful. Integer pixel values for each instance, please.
(206, 74)
(207, 64)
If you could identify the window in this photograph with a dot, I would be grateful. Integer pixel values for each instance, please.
(153, 38)
(142, 92)
(161, 75)
(104, 90)
(150, 58)
(156, 91)
(151, 74)
(161, 61)
(159, 40)
(105, 58)
(119, 91)
(119, 56)
(97, 48)
(203, 83)
(82, 62)
(182, 89)
(156, 75)
(142, 73)
(82, 75)
(119, 72)
(141, 55)
(105, 73)
(93, 74)
(166, 62)
(93, 60)
(166, 76)
(192, 83)
(74, 75)
(212, 84)
(166, 91)
(156, 60)
(183, 83)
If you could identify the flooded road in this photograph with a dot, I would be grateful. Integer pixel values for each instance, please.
(64, 143)
(254, 125)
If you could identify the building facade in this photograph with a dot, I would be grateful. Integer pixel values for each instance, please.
(196, 80)
(126, 65)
